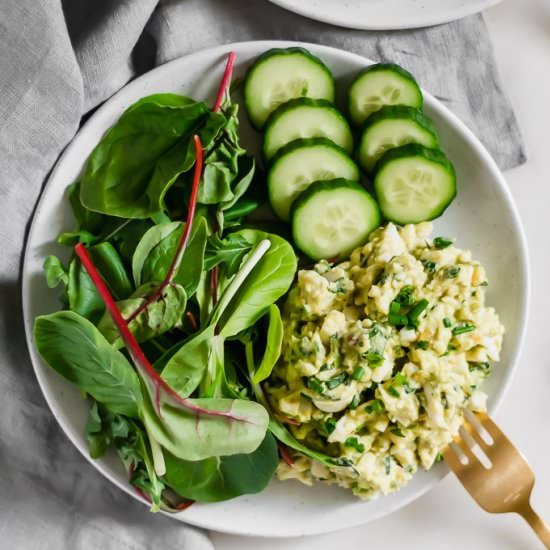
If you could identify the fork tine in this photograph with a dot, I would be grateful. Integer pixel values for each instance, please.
(452, 459)
(492, 429)
(465, 448)
(476, 436)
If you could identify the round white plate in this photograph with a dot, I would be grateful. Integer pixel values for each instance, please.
(385, 14)
(483, 217)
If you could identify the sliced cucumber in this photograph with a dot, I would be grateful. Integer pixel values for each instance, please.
(283, 74)
(379, 85)
(333, 217)
(393, 126)
(301, 162)
(305, 118)
(414, 184)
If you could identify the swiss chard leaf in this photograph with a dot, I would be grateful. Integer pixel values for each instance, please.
(156, 250)
(156, 319)
(137, 160)
(221, 478)
(192, 434)
(273, 345)
(74, 347)
(268, 281)
(55, 272)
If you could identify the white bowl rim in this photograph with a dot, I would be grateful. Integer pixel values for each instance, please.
(442, 111)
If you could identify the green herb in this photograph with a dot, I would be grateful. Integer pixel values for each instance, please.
(397, 432)
(392, 391)
(342, 461)
(316, 385)
(330, 425)
(405, 296)
(422, 344)
(463, 328)
(416, 311)
(483, 367)
(339, 286)
(354, 402)
(397, 320)
(374, 406)
(442, 242)
(452, 272)
(400, 379)
(438, 458)
(354, 443)
(336, 381)
(387, 464)
(374, 358)
(358, 373)
(484, 283)
(429, 266)
(447, 323)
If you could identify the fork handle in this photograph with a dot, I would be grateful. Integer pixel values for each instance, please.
(538, 525)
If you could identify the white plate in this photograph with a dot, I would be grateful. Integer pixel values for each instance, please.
(385, 14)
(483, 217)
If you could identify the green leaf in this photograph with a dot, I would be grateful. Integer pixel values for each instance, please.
(185, 369)
(221, 478)
(159, 317)
(55, 272)
(156, 250)
(229, 251)
(268, 281)
(83, 296)
(273, 346)
(196, 435)
(98, 431)
(74, 347)
(137, 160)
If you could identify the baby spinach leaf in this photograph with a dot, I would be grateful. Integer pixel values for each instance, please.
(221, 478)
(268, 281)
(55, 272)
(98, 430)
(185, 369)
(273, 345)
(74, 347)
(130, 169)
(159, 317)
(230, 251)
(191, 434)
(156, 250)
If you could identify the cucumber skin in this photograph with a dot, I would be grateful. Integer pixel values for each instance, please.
(330, 185)
(282, 51)
(383, 67)
(303, 143)
(297, 102)
(413, 150)
(394, 112)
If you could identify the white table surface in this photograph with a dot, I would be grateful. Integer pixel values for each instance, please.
(447, 518)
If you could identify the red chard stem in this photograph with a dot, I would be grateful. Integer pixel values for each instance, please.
(226, 80)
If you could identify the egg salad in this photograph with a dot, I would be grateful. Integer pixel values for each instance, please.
(381, 354)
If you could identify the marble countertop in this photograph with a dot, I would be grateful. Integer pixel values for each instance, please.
(447, 517)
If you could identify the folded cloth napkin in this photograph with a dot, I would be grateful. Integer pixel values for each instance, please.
(57, 62)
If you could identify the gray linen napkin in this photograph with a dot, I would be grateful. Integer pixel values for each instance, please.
(56, 63)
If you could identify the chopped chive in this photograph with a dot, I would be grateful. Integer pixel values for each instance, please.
(315, 385)
(358, 373)
(416, 311)
(395, 307)
(422, 344)
(405, 296)
(452, 272)
(397, 432)
(447, 322)
(463, 329)
(484, 283)
(387, 464)
(442, 242)
(483, 367)
(392, 391)
(330, 425)
(354, 402)
(354, 443)
(438, 458)
(335, 381)
(400, 379)
(342, 461)
(429, 266)
(374, 358)
(374, 406)
(397, 319)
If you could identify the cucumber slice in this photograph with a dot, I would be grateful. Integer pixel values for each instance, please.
(393, 126)
(283, 74)
(379, 85)
(305, 118)
(301, 162)
(333, 217)
(414, 184)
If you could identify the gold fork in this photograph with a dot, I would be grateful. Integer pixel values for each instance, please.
(498, 478)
